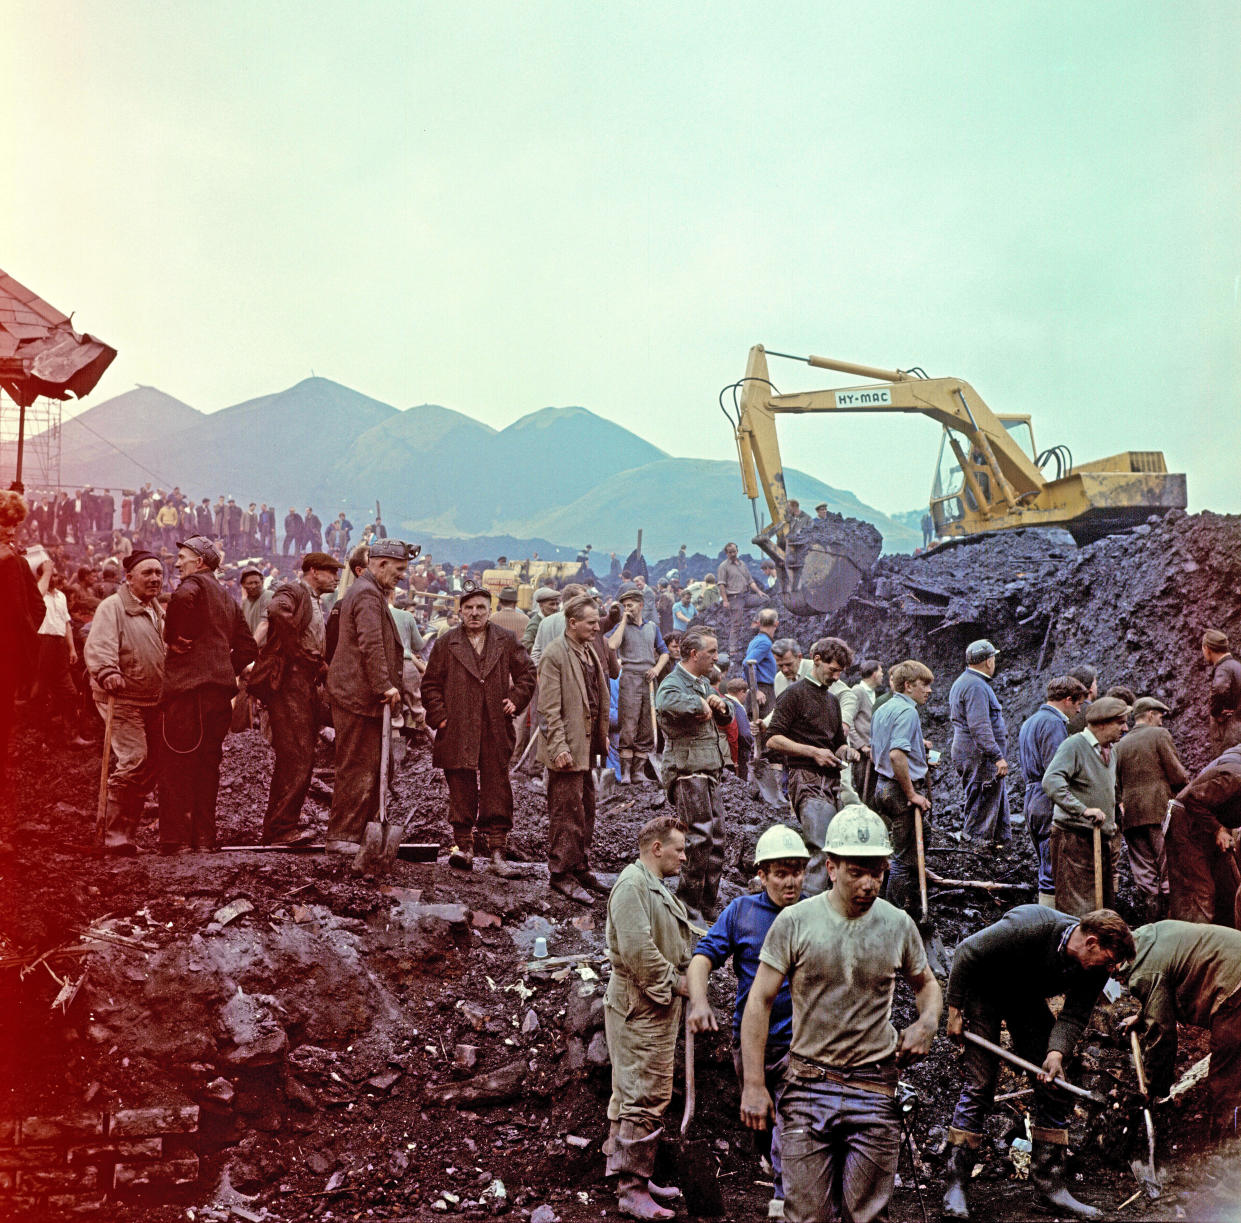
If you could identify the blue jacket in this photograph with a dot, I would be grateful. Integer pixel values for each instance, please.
(759, 651)
(739, 932)
(1041, 733)
(977, 720)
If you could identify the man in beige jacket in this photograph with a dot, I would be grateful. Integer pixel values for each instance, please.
(649, 939)
(573, 709)
(124, 656)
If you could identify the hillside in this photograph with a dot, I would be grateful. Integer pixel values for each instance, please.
(559, 474)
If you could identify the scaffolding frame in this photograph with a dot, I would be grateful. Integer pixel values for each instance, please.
(41, 449)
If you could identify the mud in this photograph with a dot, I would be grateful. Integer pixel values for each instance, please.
(366, 1048)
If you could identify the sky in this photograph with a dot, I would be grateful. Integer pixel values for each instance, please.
(499, 207)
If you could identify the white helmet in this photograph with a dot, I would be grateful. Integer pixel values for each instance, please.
(779, 841)
(857, 832)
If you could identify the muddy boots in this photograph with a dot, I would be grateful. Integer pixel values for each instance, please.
(814, 815)
(626, 770)
(956, 1177)
(120, 829)
(1047, 1162)
(631, 1159)
(698, 808)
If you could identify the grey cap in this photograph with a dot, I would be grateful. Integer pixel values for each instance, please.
(388, 549)
(1144, 704)
(202, 547)
(544, 593)
(1106, 709)
(628, 591)
(979, 651)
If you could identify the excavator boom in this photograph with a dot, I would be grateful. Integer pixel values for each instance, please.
(995, 484)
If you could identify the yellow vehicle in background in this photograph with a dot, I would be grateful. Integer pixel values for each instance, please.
(989, 476)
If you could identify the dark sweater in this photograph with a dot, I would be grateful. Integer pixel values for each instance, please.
(1020, 961)
(808, 713)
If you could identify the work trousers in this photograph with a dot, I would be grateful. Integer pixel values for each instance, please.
(1038, 811)
(292, 713)
(839, 1147)
(355, 793)
(740, 607)
(1148, 862)
(700, 807)
(1072, 866)
(135, 744)
(1200, 885)
(637, 735)
(480, 802)
(571, 821)
(775, 1067)
(986, 802)
(54, 693)
(1029, 1024)
(1224, 1081)
(642, 1041)
(891, 803)
(292, 543)
(192, 729)
(1224, 733)
(816, 799)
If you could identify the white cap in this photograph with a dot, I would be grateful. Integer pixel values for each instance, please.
(857, 832)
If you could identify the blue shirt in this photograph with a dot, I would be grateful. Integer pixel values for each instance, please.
(759, 652)
(682, 615)
(896, 724)
(739, 932)
(977, 720)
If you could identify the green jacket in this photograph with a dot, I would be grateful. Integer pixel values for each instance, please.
(1182, 971)
(649, 938)
(691, 743)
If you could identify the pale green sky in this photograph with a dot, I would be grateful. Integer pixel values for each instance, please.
(498, 207)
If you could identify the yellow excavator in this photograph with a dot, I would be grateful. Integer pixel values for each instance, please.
(989, 476)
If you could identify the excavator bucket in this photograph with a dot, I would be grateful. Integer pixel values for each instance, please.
(823, 563)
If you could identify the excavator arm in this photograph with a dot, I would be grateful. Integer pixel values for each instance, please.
(1001, 486)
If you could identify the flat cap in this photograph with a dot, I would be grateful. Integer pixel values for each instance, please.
(1144, 704)
(1106, 709)
(320, 560)
(979, 651)
(628, 591)
(1215, 640)
(248, 570)
(202, 547)
(388, 549)
(545, 593)
(508, 594)
(821, 506)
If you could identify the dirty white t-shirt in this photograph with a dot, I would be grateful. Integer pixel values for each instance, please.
(842, 973)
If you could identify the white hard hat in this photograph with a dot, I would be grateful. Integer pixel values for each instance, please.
(857, 832)
(779, 841)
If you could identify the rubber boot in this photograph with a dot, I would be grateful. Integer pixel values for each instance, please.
(626, 770)
(118, 829)
(663, 1193)
(956, 1177)
(633, 1199)
(1047, 1162)
(633, 1158)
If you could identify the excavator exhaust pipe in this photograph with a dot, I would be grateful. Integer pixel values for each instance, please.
(823, 563)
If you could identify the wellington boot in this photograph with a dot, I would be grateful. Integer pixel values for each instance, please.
(956, 1177)
(626, 770)
(1047, 1172)
(499, 866)
(633, 1199)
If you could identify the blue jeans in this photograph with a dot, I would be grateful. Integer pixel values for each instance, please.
(774, 1067)
(1038, 812)
(1029, 1024)
(839, 1145)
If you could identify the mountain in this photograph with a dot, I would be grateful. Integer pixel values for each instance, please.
(558, 474)
(697, 502)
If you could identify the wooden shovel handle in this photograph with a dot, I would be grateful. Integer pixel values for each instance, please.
(103, 769)
(1097, 836)
(688, 1115)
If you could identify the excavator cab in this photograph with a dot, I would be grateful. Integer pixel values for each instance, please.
(951, 496)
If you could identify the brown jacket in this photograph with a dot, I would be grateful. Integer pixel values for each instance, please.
(368, 656)
(563, 707)
(1148, 774)
(461, 689)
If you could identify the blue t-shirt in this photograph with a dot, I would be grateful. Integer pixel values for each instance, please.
(896, 724)
(759, 652)
(739, 932)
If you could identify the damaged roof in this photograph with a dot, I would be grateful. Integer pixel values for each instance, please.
(40, 353)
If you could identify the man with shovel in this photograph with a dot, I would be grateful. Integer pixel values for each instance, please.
(363, 677)
(124, 656)
(1081, 781)
(841, 952)
(1004, 974)
(648, 936)
(806, 726)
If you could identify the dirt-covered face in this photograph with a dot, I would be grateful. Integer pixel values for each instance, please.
(856, 883)
(782, 880)
(252, 584)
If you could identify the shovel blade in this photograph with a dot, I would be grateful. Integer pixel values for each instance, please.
(370, 853)
(698, 1178)
(936, 952)
(392, 838)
